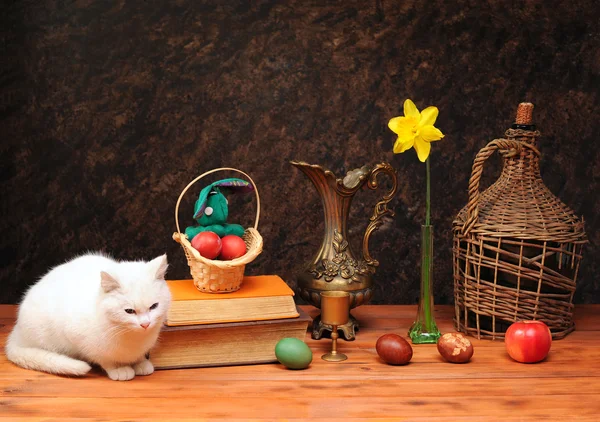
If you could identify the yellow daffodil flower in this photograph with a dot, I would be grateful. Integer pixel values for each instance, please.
(415, 129)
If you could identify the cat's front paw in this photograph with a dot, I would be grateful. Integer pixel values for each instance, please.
(144, 367)
(123, 373)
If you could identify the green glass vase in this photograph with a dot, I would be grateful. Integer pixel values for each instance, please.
(424, 329)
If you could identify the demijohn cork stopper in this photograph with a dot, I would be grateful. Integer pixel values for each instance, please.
(524, 118)
(524, 112)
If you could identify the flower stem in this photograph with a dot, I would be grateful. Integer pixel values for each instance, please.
(426, 262)
(426, 276)
(427, 195)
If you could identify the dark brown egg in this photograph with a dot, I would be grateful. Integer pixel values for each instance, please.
(393, 349)
(455, 347)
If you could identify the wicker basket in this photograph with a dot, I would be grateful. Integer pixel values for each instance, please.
(517, 247)
(214, 276)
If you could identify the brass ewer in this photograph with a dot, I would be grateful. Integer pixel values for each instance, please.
(335, 267)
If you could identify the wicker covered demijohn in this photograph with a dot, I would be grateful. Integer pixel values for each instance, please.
(517, 247)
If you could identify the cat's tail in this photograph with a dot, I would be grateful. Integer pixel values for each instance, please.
(44, 360)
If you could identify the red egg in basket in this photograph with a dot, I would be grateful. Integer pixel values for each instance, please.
(232, 247)
(208, 244)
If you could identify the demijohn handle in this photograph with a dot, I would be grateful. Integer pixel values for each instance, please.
(508, 148)
(381, 208)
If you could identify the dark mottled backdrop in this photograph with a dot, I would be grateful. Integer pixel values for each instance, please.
(109, 108)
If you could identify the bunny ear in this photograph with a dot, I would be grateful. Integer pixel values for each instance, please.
(201, 202)
(234, 185)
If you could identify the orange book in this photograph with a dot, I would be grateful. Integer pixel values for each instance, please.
(259, 298)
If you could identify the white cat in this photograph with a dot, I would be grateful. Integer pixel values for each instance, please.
(92, 310)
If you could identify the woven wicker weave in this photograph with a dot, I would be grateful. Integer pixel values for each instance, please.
(517, 247)
(214, 276)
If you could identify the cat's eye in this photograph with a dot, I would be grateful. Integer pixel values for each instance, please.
(130, 311)
(154, 306)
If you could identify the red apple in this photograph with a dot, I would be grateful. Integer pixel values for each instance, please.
(233, 247)
(208, 244)
(528, 341)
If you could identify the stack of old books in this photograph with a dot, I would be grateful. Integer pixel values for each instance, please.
(242, 327)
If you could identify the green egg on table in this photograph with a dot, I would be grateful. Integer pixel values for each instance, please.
(293, 353)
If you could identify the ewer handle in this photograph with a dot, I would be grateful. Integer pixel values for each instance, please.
(381, 209)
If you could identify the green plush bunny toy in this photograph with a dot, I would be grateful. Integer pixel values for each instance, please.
(211, 209)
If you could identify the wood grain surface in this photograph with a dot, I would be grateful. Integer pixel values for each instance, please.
(566, 386)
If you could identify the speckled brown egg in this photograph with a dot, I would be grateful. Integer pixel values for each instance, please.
(455, 347)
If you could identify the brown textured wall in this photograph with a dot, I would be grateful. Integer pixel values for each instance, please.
(109, 108)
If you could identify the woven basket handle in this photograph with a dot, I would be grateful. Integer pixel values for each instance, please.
(206, 174)
(508, 148)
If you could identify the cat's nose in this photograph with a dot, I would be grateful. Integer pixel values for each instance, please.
(145, 324)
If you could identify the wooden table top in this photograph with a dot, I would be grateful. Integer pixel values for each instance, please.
(565, 387)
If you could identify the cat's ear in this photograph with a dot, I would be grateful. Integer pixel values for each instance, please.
(159, 267)
(108, 282)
